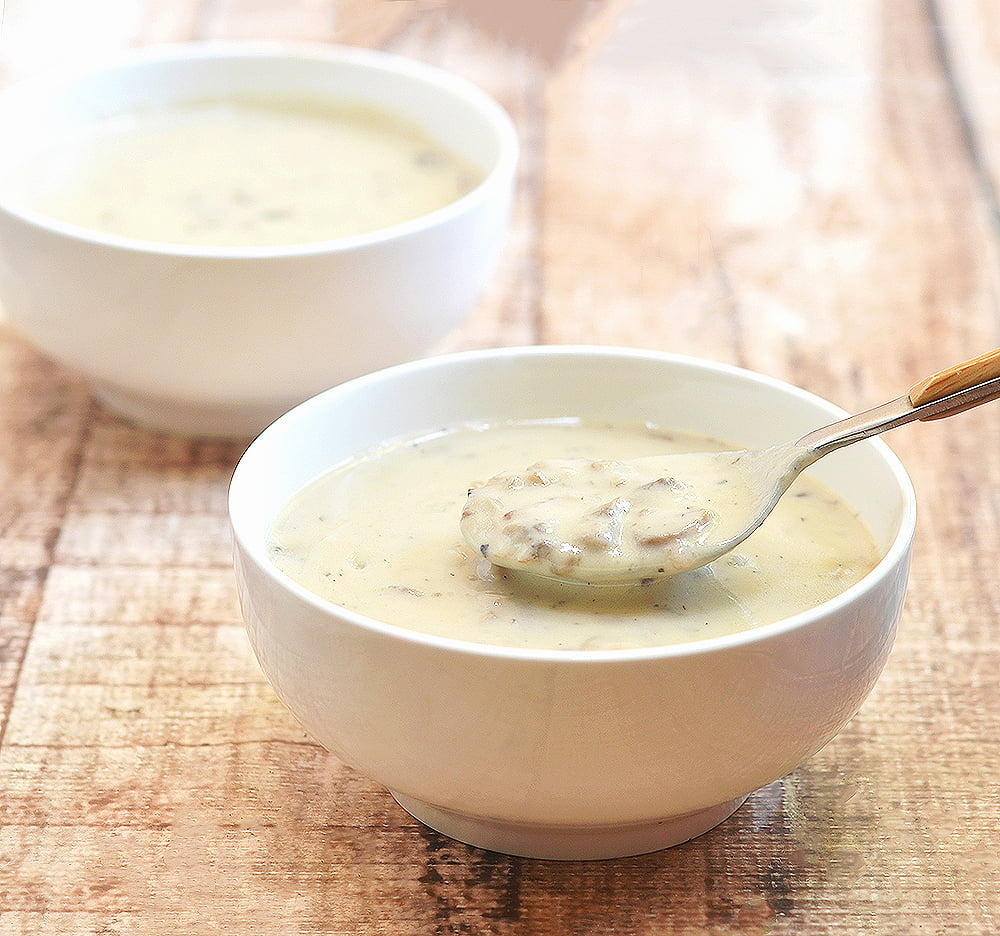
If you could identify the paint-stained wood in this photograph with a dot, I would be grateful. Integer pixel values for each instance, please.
(807, 188)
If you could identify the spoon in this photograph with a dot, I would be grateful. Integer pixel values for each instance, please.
(620, 522)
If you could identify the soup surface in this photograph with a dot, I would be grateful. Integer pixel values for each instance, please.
(242, 173)
(380, 535)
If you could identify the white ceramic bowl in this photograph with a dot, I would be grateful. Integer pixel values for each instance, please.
(222, 341)
(566, 754)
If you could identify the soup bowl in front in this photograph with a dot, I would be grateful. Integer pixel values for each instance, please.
(566, 754)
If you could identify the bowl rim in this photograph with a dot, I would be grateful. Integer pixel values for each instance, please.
(895, 555)
(221, 50)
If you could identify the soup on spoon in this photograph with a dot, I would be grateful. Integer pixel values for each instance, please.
(610, 522)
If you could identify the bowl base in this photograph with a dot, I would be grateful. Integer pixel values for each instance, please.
(236, 421)
(569, 843)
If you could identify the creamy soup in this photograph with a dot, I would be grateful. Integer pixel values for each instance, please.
(242, 173)
(380, 535)
(612, 521)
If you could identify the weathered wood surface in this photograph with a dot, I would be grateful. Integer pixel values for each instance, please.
(807, 188)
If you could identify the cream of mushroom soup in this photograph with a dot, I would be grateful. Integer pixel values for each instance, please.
(243, 173)
(380, 535)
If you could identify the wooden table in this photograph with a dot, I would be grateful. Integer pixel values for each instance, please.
(807, 188)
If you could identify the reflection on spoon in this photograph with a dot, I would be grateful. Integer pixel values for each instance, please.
(612, 522)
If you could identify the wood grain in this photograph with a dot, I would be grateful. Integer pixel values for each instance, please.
(807, 188)
(956, 378)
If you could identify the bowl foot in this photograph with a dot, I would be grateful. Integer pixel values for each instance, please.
(198, 419)
(569, 843)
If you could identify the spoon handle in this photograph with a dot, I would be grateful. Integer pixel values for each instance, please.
(950, 391)
(964, 376)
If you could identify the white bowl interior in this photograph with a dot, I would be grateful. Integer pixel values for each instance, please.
(674, 392)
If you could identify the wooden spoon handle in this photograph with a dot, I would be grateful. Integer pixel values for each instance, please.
(954, 379)
(951, 391)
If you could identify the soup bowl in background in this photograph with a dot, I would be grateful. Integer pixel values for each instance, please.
(566, 754)
(221, 340)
